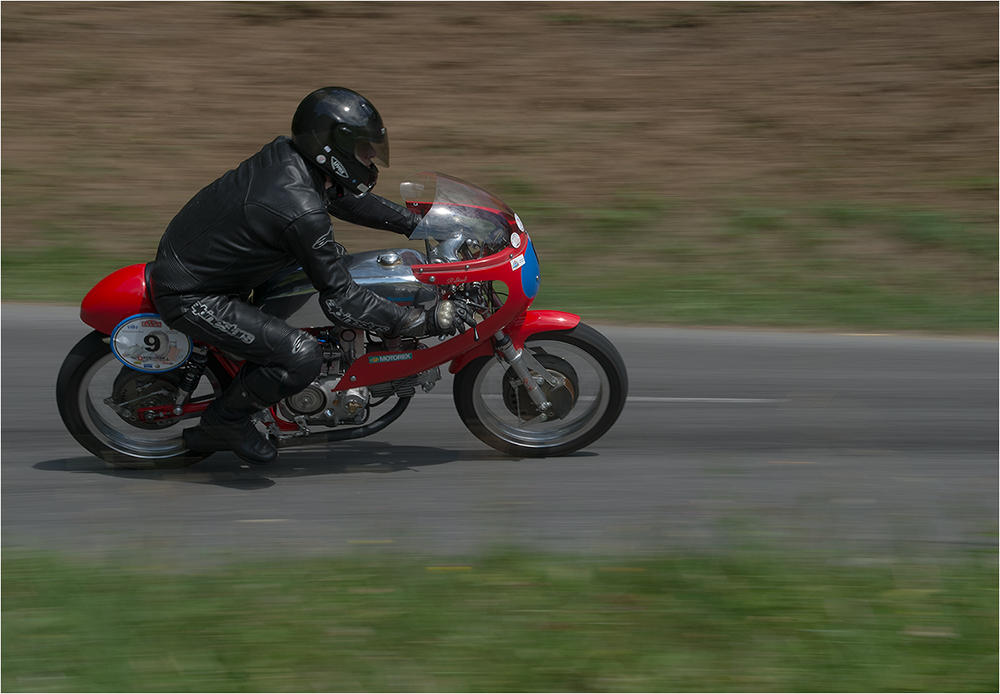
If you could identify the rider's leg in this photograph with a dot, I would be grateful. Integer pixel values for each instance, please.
(281, 361)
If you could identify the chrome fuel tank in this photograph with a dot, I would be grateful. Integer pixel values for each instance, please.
(388, 273)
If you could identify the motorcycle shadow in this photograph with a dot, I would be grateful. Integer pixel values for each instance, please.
(227, 470)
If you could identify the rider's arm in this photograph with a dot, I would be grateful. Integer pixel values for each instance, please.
(310, 240)
(370, 210)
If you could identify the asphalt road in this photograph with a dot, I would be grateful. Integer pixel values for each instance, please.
(858, 445)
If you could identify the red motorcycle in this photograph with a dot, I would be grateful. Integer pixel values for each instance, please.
(528, 383)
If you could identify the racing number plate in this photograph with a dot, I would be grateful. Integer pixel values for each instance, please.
(145, 343)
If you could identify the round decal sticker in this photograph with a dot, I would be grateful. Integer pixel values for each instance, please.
(145, 343)
(515, 240)
(520, 224)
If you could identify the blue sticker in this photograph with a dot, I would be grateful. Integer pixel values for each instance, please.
(530, 274)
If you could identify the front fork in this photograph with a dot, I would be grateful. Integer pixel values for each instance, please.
(522, 362)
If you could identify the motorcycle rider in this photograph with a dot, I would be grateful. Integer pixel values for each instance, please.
(271, 212)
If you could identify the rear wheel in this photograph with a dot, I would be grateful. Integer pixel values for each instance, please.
(496, 407)
(99, 399)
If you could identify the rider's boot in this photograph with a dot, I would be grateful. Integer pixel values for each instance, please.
(227, 420)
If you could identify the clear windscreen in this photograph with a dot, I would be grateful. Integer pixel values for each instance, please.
(457, 214)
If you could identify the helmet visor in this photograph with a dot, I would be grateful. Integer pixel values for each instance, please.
(367, 151)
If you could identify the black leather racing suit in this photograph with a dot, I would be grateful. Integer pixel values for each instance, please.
(237, 232)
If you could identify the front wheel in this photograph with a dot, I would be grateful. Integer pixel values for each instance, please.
(496, 408)
(99, 399)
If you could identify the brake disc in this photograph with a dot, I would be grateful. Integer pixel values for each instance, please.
(562, 398)
(134, 390)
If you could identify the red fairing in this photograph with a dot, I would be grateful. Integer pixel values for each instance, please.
(118, 296)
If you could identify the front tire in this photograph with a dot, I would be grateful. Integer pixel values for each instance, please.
(96, 393)
(494, 408)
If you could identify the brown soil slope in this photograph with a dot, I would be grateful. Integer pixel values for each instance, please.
(115, 114)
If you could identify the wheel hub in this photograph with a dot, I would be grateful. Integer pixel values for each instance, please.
(134, 390)
(562, 398)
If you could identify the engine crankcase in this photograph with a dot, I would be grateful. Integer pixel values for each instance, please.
(318, 403)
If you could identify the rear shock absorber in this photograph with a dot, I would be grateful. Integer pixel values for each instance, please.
(192, 375)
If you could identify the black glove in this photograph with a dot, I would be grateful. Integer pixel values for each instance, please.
(444, 318)
(449, 317)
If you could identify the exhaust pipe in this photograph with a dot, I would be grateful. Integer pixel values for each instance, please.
(198, 442)
(351, 433)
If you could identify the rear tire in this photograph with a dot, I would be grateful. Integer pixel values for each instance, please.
(587, 359)
(91, 375)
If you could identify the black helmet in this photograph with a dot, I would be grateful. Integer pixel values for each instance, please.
(340, 131)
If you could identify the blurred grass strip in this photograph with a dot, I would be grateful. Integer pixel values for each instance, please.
(634, 257)
(55, 274)
(507, 622)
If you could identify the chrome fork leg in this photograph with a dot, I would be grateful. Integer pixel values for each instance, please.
(522, 362)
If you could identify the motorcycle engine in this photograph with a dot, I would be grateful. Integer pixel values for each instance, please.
(318, 403)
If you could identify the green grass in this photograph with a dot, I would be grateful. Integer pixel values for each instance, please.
(505, 622)
(838, 266)
(781, 300)
(60, 273)
(642, 258)
(921, 227)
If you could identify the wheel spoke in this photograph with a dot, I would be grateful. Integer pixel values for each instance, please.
(109, 420)
(591, 399)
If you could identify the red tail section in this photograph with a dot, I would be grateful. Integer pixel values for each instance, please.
(118, 296)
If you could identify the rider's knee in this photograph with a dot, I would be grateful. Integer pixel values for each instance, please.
(305, 359)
